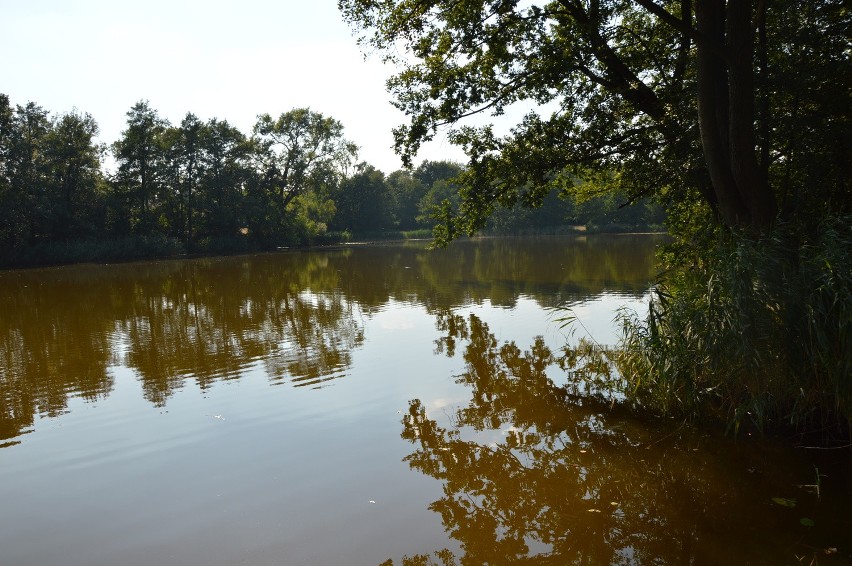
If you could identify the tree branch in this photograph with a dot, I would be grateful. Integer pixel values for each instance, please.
(686, 28)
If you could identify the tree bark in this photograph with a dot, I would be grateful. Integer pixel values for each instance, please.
(751, 183)
(713, 114)
(726, 96)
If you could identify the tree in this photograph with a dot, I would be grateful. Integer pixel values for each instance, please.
(23, 197)
(441, 200)
(7, 223)
(442, 196)
(363, 201)
(296, 148)
(225, 152)
(296, 153)
(183, 170)
(406, 192)
(140, 156)
(51, 187)
(686, 102)
(430, 172)
(74, 162)
(190, 134)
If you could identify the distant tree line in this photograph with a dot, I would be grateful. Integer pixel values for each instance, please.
(205, 186)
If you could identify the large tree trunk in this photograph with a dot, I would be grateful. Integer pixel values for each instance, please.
(726, 114)
(751, 182)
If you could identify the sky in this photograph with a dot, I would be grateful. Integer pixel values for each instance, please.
(230, 60)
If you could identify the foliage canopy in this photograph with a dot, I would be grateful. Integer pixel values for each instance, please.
(714, 102)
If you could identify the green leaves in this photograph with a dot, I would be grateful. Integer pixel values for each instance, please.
(481, 57)
(299, 148)
(784, 502)
(51, 185)
(613, 87)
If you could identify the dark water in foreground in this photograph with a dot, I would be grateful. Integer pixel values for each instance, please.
(355, 405)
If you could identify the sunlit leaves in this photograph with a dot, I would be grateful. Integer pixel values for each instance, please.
(613, 88)
(471, 57)
(298, 148)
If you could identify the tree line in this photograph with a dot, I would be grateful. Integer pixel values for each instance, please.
(205, 186)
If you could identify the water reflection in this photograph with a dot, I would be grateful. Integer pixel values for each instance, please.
(160, 458)
(50, 346)
(539, 473)
(297, 315)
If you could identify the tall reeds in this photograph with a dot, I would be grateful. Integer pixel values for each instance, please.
(756, 330)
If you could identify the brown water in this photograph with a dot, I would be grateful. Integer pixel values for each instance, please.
(364, 404)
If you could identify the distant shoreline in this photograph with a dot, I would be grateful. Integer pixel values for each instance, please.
(130, 250)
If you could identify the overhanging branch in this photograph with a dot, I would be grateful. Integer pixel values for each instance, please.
(685, 27)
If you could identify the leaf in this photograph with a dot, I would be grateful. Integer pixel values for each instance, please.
(805, 521)
(784, 502)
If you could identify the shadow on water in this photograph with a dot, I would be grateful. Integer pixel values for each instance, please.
(539, 473)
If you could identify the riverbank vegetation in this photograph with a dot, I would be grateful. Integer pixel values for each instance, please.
(756, 331)
(205, 187)
(732, 116)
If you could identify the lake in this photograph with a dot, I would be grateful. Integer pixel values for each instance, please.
(372, 403)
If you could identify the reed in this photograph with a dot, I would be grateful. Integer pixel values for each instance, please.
(757, 330)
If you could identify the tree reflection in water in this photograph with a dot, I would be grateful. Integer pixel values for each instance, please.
(539, 473)
(170, 322)
(299, 315)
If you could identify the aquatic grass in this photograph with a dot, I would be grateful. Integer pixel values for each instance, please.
(758, 330)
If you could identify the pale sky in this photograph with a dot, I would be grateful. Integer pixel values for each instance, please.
(230, 60)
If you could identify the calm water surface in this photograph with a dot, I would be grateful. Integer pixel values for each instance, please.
(366, 404)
